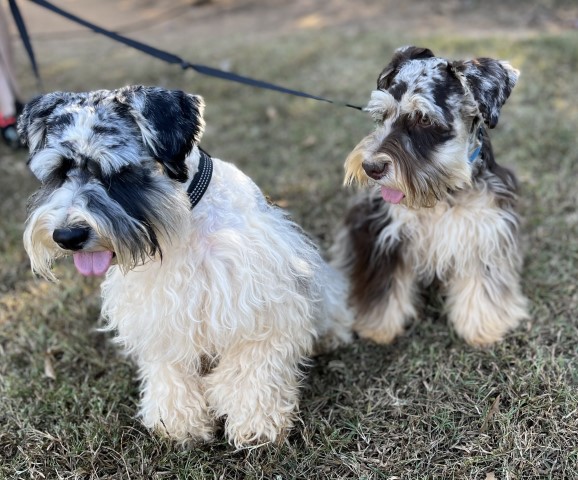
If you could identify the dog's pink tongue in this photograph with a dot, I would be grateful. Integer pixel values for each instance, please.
(92, 263)
(391, 196)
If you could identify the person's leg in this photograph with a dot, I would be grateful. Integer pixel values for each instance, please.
(8, 99)
(6, 58)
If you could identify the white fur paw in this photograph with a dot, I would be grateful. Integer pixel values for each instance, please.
(183, 427)
(257, 411)
(382, 335)
(484, 334)
(481, 328)
(258, 429)
(481, 319)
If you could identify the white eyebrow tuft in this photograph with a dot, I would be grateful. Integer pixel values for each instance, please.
(381, 105)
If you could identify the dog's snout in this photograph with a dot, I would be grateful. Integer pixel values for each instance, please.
(375, 170)
(71, 238)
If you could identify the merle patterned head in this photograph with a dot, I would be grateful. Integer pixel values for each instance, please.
(110, 164)
(430, 114)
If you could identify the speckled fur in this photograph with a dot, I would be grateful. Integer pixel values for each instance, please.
(456, 221)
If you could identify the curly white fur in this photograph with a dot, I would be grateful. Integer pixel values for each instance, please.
(242, 286)
(220, 305)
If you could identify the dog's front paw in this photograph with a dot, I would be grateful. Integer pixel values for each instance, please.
(259, 404)
(259, 429)
(382, 335)
(185, 427)
(176, 409)
(483, 331)
(490, 317)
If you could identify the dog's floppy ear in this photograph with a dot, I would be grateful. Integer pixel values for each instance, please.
(400, 56)
(491, 82)
(32, 121)
(171, 122)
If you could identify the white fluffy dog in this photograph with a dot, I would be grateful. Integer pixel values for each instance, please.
(215, 293)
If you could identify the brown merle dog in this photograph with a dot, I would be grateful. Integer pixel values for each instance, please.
(437, 207)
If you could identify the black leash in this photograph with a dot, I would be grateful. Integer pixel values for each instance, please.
(201, 179)
(174, 59)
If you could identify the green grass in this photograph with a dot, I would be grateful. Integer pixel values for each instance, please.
(427, 406)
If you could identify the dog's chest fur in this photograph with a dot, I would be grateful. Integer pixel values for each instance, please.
(459, 234)
(204, 287)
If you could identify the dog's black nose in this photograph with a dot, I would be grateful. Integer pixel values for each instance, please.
(71, 238)
(374, 170)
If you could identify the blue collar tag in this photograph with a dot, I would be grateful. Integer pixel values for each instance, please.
(474, 154)
(477, 143)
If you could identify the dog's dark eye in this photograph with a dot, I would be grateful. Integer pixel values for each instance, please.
(424, 120)
(94, 168)
(61, 172)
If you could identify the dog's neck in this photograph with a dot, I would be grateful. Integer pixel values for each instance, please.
(201, 179)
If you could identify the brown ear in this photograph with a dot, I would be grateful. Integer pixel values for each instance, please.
(400, 56)
(491, 82)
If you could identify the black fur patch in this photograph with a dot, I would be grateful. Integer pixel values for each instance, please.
(413, 147)
(490, 83)
(133, 188)
(137, 244)
(398, 89)
(58, 176)
(503, 182)
(176, 119)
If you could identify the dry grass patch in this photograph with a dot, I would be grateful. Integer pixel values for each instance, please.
(427, 406)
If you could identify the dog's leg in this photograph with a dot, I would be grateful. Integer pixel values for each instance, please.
(370, 248)
(173, 402)
(255, 386)
(485, 304)
(388, 315)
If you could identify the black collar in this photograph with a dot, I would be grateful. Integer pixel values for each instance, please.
(201, 179)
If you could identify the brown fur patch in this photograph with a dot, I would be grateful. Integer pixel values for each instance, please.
(370, 268)
(353, 163)
(505, 175)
